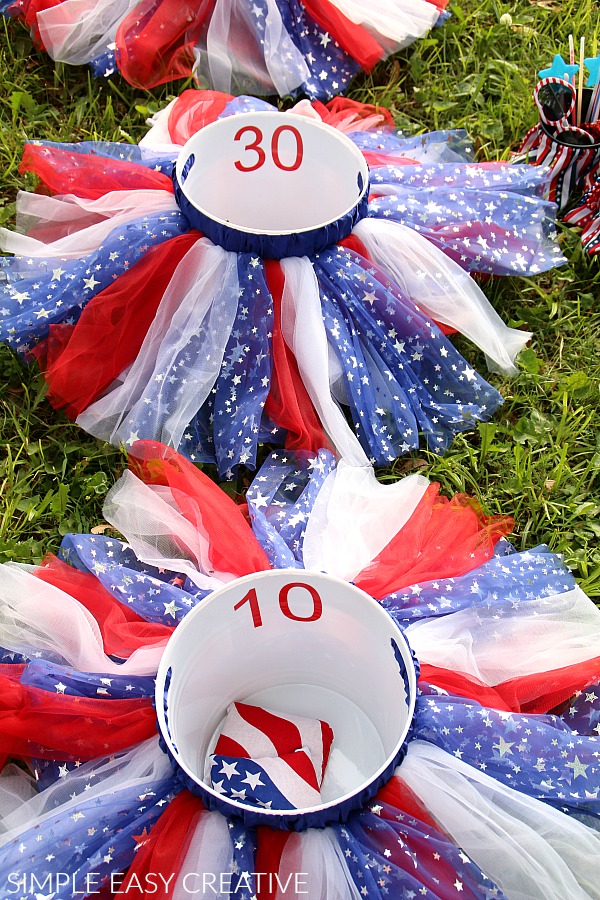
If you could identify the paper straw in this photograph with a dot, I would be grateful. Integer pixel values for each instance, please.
(572, 55)
(580, 91)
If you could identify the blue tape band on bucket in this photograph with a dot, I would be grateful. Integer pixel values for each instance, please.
(269, 246)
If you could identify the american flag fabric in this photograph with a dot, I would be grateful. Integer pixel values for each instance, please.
(273, 782)
(271, 760)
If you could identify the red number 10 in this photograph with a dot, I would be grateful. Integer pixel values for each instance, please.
(255, 145)
(284, 604)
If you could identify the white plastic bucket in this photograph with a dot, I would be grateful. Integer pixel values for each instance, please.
(271, 173)
(293, 642)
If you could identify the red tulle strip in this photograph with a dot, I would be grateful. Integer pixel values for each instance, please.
(12, 670)
(29, 12)
(539, 692)
(232, 545)
(123, 630)
(193, 111)
(155, 41)
(463, 685)
(34, 722)
(288, 403)
(270, 846)
(352, 38)
(375, 159)
(85, 175)
(339, 109)
(543, 691)
(159, 854)
(442, 539)
(110, 330)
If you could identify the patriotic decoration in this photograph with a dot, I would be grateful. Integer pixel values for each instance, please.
(497, 794)
(263, 47)
(272, 760)
(586, 216)
(273, 782)
(568, 146)
(193, 341)
(250, 731)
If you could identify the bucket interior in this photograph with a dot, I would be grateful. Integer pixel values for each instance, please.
(272, 173)
(341, 667)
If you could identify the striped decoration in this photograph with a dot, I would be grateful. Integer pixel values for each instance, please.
(270, 760)
(573, 169)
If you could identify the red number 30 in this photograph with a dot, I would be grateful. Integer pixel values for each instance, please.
(284, 604)
(261, 156)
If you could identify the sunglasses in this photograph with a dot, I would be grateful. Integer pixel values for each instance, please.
(555, 100)
(573, 136)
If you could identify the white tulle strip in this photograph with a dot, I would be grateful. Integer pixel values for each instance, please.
(36, 617)
(75, 31)
(184, 345)
(304, 333)
(148, 517)
(401, 21)
(312, 863)
(142, 764)
(208, 863)
(157, 137)
(442, 289)
(85, 223)
(355, 516)
(16, 788)
(530, 849)
(502, 641)
(233, 48)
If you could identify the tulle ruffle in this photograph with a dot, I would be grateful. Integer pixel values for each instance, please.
(488, 801)
(267, 47)
(210, 351)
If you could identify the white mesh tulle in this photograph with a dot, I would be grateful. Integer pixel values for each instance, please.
(143, 763)
(159, 535)
(516, 638)
(186, 343)
(158, 138)
(529, 849)
(76, 31)
(354, 517)
(234, 51)
(313, 862)
(210, 853)
(81, 225)
(36, 618)
(304, 333)
(441, 288)
(16, 788)
(400, 21)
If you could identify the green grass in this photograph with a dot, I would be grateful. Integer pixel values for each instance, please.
(539, 459)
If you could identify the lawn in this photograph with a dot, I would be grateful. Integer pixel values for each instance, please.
(539, 458)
